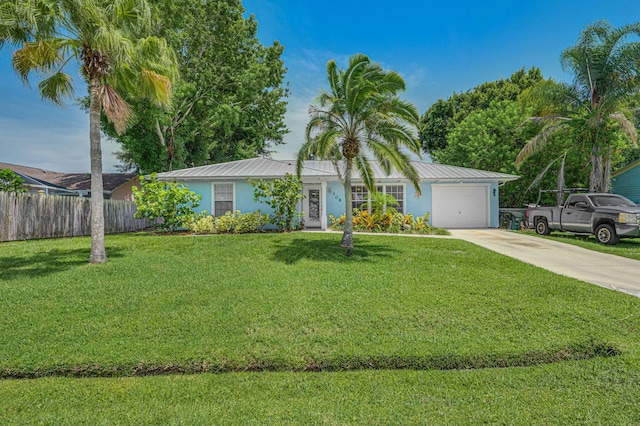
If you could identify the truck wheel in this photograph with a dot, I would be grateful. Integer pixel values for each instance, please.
(606, 234)
(542, 227)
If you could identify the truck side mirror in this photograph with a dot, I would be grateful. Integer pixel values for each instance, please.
(582, 205)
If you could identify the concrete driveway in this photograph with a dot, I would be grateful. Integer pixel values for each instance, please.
(606, 270)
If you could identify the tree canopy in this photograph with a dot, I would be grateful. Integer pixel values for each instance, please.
(228, 104)
(492, 130)
(444, 115)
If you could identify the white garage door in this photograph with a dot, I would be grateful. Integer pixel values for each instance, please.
(460, 206)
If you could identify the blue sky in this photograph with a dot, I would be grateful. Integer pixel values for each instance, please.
(438, 47)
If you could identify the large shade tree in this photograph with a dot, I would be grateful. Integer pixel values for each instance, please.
(442, 118)
(605, 64)
(107, 38)
(358, 117)
(227, 105)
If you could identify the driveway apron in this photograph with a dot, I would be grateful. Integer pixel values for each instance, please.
(606, 270)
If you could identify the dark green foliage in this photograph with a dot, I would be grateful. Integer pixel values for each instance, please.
(444, 115)
(169, 204)
(283, 195)
(490, 139)
(228, 104)
(10, 181)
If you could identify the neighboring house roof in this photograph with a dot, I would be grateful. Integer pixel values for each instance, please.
(71, 181)
(39, 185)
(262, 168)
(625, 169)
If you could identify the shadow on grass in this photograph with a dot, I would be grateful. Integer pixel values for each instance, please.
(575, 352)
(293, 251)
(46, 262)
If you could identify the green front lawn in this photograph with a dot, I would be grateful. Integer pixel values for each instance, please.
(407, 329)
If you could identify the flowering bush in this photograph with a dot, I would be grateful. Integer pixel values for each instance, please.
(393, 222)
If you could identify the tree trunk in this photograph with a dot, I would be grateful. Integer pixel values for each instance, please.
(98, 254)
(347, 235)
(606, 176)
(595, 178)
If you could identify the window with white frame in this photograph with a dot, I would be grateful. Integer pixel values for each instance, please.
(398, 193)
(360, 196)
(222, 198)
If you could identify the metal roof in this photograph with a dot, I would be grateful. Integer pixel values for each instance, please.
(261, 168)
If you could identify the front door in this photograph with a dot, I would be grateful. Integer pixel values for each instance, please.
(312, 206)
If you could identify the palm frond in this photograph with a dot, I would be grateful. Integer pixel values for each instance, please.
(561, 185)
(333, 76)
(538, 142)
(114, 43)
(541, 175)
(115, 108)
(131, 14)
(366, 173)
(42, 57)
(56, 87)
(307, 151)
(154, 54)
(390, 158)
(327, 144)
(627, 126)
(548, 118)
(22, 21)
(391, 82)
(155, 87)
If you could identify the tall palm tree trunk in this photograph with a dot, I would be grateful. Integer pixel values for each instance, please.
(347, 235)
(600, 171)
(98, 253)
(607, 171)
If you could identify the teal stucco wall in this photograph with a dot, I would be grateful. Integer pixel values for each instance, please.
(627, 184)
(416, 205)
(243, 196)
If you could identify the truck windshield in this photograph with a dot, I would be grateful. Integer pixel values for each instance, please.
(611, 201)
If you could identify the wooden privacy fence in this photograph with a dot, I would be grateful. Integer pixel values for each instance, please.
(35, 216)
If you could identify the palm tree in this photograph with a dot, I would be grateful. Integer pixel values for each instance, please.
(107, 38)
(361, 115)
(606, 74)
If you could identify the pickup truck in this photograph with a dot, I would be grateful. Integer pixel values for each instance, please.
(608, 217)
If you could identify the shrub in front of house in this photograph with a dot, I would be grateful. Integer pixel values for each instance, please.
(283, 195)
(201, 223)
(236, 223)
(250, 222)
(168, 204)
